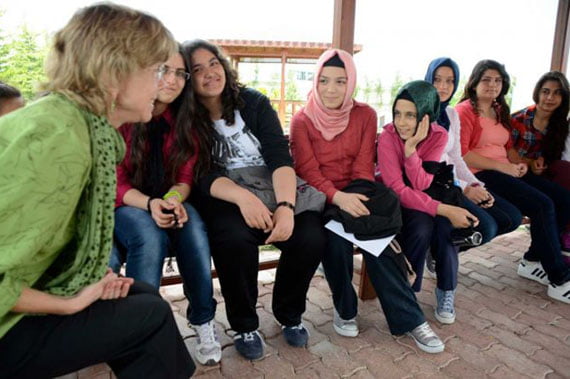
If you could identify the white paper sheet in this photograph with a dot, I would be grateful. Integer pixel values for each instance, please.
(374, 247)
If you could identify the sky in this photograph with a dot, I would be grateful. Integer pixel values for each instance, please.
(398, 37)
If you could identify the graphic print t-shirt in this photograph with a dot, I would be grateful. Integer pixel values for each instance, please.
(235, 146)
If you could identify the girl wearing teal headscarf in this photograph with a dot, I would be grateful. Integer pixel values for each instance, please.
(412, 139)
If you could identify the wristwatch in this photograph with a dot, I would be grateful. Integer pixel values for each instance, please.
(286, 204)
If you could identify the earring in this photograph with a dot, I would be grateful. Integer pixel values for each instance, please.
(113, 106)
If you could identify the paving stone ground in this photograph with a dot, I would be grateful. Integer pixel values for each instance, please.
(507, 327)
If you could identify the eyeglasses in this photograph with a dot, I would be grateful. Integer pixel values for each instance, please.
(159, 72)
(178, 73)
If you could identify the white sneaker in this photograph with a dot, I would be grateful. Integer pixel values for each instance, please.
(208, 350)
(346, 328)
(426, 339)
(560, 293)
(533, 271)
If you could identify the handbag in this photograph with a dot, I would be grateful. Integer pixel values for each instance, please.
(258, 180)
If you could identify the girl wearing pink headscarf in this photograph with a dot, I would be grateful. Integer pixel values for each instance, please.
(333, 143)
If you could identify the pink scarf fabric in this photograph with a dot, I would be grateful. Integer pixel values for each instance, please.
(331, 122)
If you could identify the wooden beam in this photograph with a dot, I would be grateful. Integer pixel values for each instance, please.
(282, 93)
(343, 25)
(561, 37)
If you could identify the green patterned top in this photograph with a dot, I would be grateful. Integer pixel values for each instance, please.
(57, 186)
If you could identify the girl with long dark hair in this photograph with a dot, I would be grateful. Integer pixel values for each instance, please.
(485, 133)
(539, 133)
(152, 216)
(243, 149)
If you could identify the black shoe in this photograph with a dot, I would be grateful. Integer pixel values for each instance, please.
(249, 345)
(296, 335)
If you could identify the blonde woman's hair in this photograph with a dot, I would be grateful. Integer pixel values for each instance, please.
(99, 47)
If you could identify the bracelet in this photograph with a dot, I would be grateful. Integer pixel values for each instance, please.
(285, 204)
(150, 198)
(174, 193)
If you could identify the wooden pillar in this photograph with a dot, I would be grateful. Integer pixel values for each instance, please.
(282, 96)
(343, 28)
(561, 37)
(343, 38)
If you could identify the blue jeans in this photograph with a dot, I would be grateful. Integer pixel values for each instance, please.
(146, 245)
(421, 232)
(501, 218)
(546, 223)
(396, 297)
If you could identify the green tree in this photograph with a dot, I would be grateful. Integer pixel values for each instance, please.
(4, 47)
(378, 91)
(291, 90)
(509, 95)
(23, 65)
(367, 90)
(396, 84)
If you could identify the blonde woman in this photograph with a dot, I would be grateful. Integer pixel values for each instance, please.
(60, 309)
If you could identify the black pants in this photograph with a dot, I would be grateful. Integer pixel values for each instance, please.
(235, 250)
(548, 206)
(396, 297)
(422, 232)
(137, 336)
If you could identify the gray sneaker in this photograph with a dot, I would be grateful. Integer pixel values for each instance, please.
(208, 349)
(426, 339)
(346, 328)
(445, 311)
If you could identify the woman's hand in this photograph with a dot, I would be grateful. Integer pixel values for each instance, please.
(518, 170)
(179, 211)
(479, 196)
(420, 134)
(459, 217)
(162, 212)
(538, 166)
(352, 203)
(284, 222)
(254, 212)
(108, 288)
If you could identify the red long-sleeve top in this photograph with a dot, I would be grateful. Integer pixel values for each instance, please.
(184, 175)
(330, 165)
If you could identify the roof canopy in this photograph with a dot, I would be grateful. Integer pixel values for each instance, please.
(273, 49)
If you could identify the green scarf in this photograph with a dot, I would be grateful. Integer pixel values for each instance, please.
(85, 259)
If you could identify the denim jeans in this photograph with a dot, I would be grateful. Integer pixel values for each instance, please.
(546, 223)
(501, 218)
(421, 232)
(396, 297)
(146, 245)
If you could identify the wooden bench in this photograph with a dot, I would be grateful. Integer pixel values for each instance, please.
(365, 289)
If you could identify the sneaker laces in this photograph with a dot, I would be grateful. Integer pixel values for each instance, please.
(424, 333)
(446, 303)
(207, 333)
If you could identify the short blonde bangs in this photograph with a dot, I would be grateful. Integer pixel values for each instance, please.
(99, 47)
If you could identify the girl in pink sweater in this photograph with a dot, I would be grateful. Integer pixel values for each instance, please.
(403, 146)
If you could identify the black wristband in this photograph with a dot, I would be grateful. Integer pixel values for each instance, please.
(150, 198)
(286, 204)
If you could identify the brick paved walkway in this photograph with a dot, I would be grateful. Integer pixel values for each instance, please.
(506, 327)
